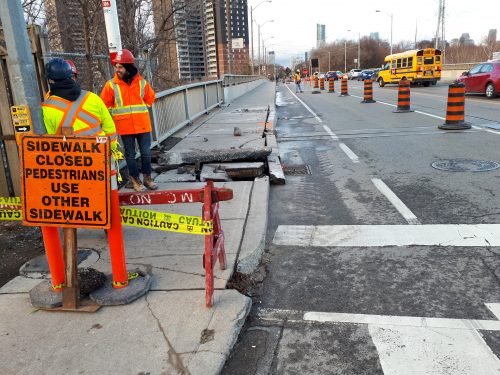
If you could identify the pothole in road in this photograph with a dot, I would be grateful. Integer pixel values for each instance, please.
(465, 165)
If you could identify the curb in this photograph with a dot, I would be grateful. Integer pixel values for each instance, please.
(254, 239)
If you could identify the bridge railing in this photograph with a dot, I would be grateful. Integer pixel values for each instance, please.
(179, 106)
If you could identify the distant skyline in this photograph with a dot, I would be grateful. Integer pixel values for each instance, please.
(294, 26)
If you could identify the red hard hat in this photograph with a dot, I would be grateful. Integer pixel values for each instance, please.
(73, 67)
(123, 57)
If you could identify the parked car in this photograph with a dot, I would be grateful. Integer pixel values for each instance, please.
(331, 74)
(365, 74)
(339, 74)
(354, 73)
(375, 74)
(483, 78)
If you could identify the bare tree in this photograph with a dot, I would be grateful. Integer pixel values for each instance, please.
(33, 11)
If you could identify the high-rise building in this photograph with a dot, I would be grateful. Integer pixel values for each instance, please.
(492, 36)
(320, 35)
(375, 35)
(232, 37)
(210, 39)
(65, 27)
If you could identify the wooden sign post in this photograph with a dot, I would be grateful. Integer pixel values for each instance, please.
(66, 183)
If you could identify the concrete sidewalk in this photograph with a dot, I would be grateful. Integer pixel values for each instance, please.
(169, 331)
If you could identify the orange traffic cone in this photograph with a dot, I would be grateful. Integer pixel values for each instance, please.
(455, 109)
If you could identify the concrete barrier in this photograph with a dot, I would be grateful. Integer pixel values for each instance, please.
(451, 72)
(235, 91)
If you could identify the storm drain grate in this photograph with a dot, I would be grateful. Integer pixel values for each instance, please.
(465, 165)
(296, 170)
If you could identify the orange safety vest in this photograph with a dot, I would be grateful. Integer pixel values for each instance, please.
(87, 116)
(128, 104)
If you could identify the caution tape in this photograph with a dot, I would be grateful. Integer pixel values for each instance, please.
(10, 208)
(165, 221)
(133, 217)
(11, 214)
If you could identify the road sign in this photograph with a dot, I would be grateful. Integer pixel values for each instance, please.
(21, 119)
(65, 181)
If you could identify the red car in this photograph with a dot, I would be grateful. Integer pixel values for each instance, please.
(483, 78)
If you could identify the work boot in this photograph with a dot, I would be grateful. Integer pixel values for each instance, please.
(137, 184)
(149, 183)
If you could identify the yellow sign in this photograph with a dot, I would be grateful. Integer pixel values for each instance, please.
(65, 181)
(11, 215)
(165, 221)
(21, 119)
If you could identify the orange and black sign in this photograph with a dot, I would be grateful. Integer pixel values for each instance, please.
(65, 181)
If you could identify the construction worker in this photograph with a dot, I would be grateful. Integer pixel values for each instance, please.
(68, 106)
(297, 81)
(128, 97)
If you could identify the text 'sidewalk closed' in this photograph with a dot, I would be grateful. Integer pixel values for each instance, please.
(65, 181)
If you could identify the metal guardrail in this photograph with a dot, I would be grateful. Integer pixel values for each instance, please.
(175, 108)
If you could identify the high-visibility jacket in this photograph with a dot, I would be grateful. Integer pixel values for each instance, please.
(297, 77)
(129, 104)
(87, 115)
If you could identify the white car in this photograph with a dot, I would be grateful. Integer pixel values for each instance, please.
(354, 73)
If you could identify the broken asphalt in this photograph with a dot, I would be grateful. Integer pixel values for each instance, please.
(168, 331)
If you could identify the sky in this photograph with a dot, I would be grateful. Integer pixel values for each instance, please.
(293, 31)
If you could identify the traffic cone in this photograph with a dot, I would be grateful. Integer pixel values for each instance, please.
(55, 258)
(115, 236)
(455, 109)
(331, 85)
(343, 87)
(368, 92)
(315, 89)
(321, 83)
(403, 97)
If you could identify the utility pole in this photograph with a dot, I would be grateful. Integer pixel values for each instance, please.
(112, 27)
(22, 72)
(251, 36)
(258, 38)
(228, 26)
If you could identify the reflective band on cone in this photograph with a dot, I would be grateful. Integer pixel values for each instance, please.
(403, 97)
(321, 83)
(368, 92)
(343, 87)
(455, 109)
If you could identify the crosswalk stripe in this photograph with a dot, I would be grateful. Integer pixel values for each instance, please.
(388, 235)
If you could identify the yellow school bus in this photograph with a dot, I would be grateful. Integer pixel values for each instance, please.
(419, 66)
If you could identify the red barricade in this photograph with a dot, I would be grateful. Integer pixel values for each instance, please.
(210, 196)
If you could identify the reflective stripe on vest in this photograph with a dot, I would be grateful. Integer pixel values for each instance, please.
(74, 111)
(120, 109)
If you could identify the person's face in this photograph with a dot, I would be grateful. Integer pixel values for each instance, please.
(120, 70)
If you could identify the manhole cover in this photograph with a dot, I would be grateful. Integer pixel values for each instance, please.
(296, 170)
(465, 165)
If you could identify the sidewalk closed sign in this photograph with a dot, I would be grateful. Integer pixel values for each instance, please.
(65, 181)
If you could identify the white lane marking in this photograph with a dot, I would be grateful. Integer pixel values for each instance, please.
(495, 308)
(350, 154)
(486, 130)
(388, 235)
(330, 133)
(430, 351)
(396, 202)
(403, 321)
(305, 105)
(394, 105)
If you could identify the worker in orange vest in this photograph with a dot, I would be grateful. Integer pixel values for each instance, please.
(128, 97)
(67, 105)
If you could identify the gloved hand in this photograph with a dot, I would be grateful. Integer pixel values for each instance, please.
(117, 154)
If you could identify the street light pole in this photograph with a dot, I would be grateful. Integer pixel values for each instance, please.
(359, 51)
(392, 16)
(251, 37)
(258, 34)
(345, 56)
(329, 65)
